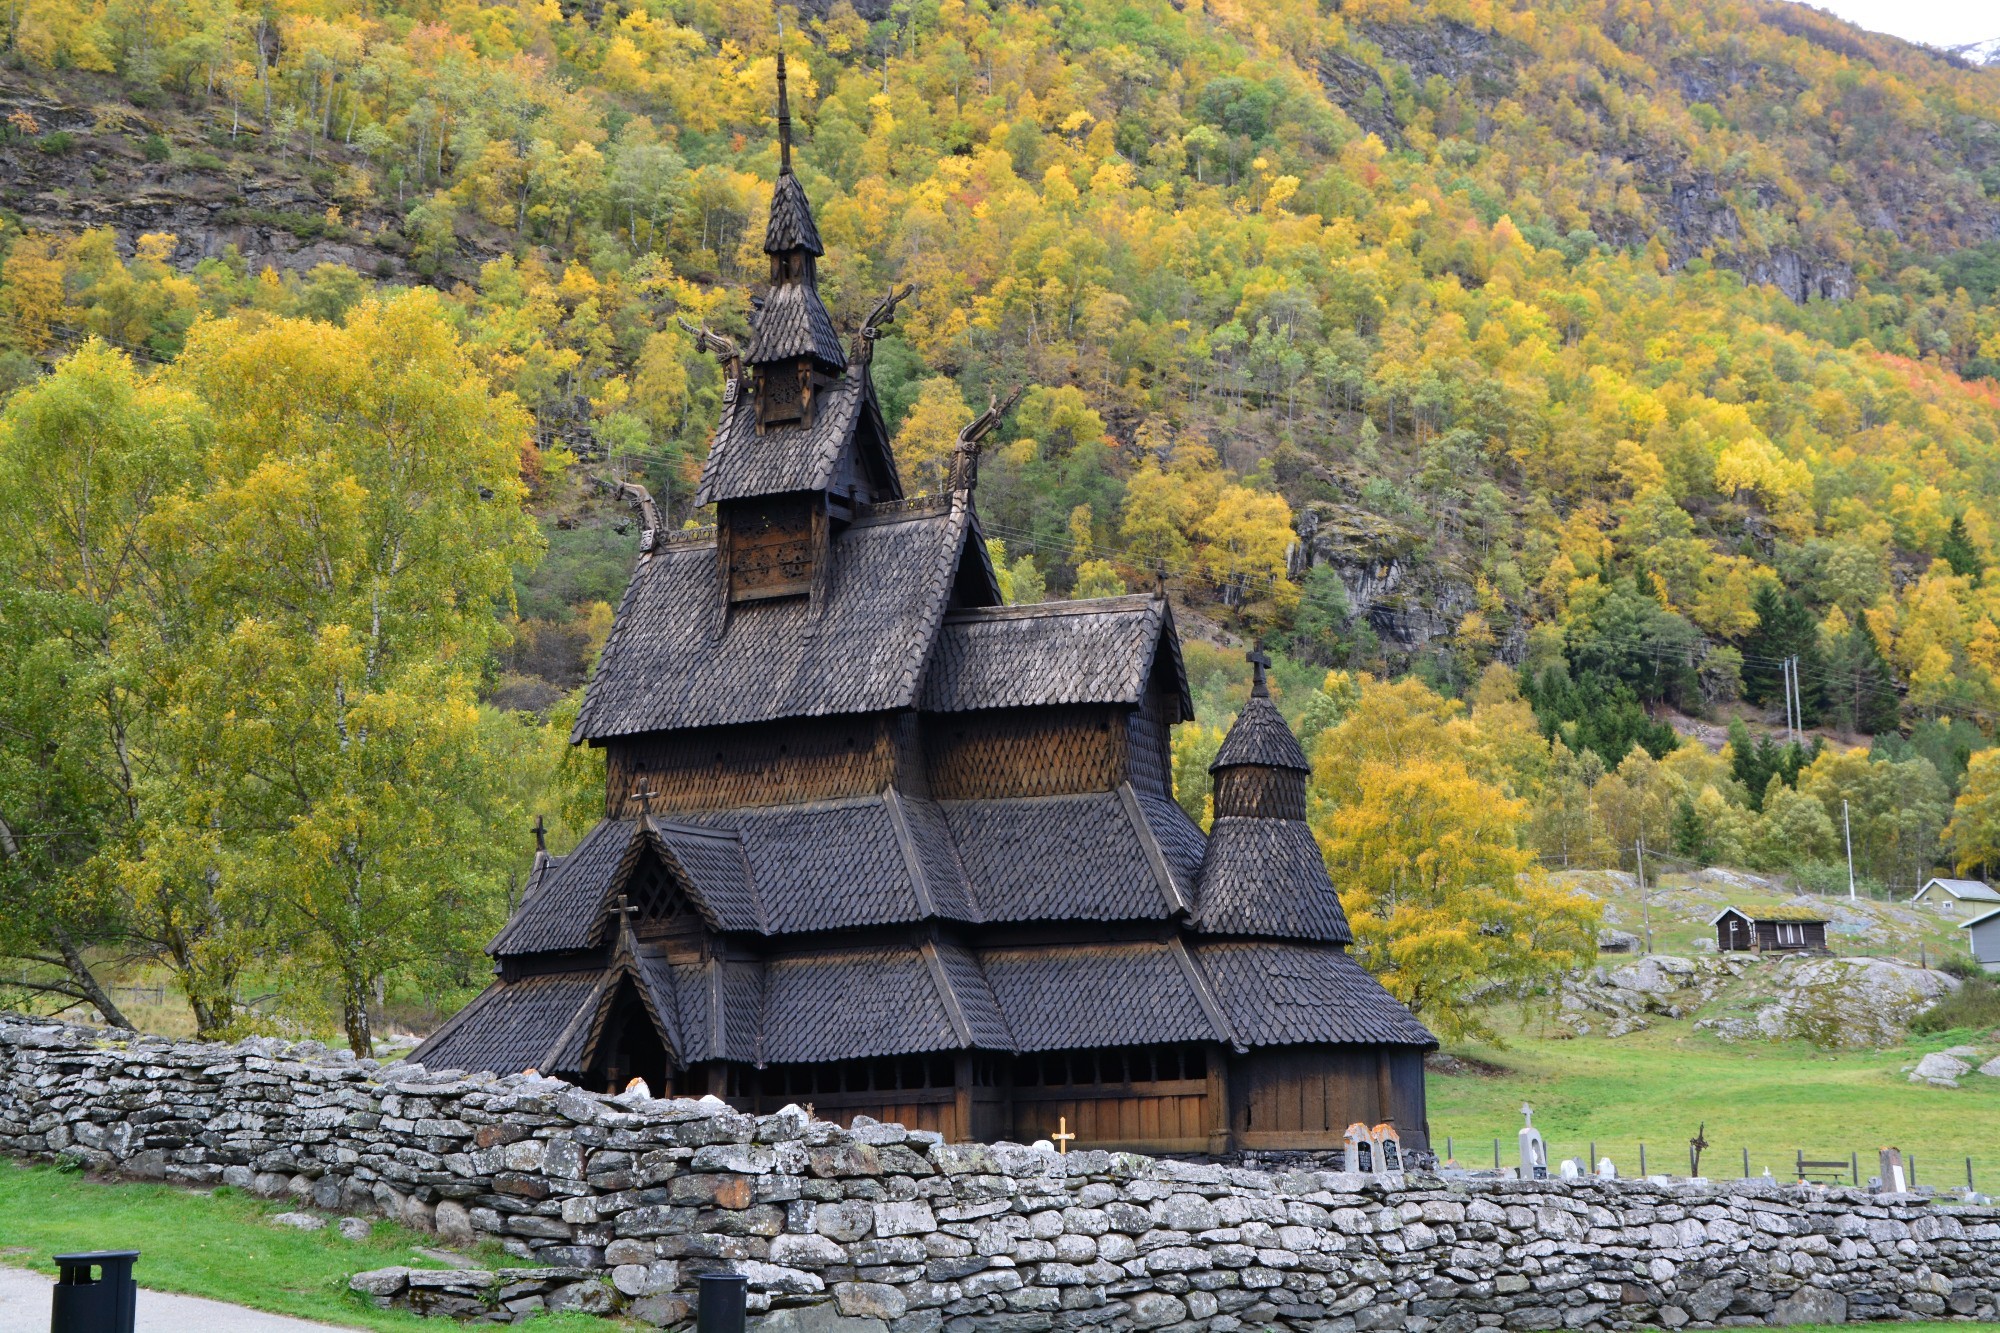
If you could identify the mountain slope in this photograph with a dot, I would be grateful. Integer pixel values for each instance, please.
(1559, 329)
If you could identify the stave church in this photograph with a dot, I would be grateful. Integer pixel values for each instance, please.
(875, 842)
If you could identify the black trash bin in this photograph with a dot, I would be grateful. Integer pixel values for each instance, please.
(719, 1307)
(107, 1303)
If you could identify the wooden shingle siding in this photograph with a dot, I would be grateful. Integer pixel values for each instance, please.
(1269, 793)
(778, 763)
(1014, 752)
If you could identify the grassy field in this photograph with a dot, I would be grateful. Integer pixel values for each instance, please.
(1660, 1086)
(217, 1244)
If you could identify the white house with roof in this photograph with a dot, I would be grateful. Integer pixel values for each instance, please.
(1984, 941)
(1958, 897)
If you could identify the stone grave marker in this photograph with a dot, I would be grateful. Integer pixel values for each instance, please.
(1360, 1149)
(1534, 1153)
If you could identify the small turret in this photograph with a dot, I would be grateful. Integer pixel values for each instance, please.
(1263, 874)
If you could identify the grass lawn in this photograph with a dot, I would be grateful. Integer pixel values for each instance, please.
(217, 1244)
(1661, 1085)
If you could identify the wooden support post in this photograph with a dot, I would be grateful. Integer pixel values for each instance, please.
(1385, 1103)
(1219, 1136)
(962, 1098)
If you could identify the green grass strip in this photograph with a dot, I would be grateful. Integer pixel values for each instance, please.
(220, 1244)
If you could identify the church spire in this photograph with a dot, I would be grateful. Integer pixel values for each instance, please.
(784, 120)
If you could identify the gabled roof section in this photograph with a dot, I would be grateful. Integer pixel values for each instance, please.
(1260, 737)
(791, 225)
(711, 865)
(1979, 920)
(1116, 994)
(1965, 890)
(515, 1026)
(564, 905)
(1266, 877)
(1099, 651)
(1801, 914)
(793, 322)
(785, 459)
(676, 660)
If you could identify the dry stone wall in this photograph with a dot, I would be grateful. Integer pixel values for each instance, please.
(617, 1204)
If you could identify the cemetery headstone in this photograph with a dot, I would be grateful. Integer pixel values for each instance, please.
(1605, 1170)
(1534, 1153)
(1360, 1149)
(1388, 1148)
(1893, 1178)
(1570, 1169)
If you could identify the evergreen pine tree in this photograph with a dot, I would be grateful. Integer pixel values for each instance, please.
(1958, 550)
(1785, 628)
(1690, 832)
(1859, 693)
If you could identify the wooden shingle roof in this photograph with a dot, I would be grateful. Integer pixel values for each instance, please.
(1078, 996)
(784, 459)
(1099, 856)
(672, 662)
(1267, 877)
(534, 1023)
(563, 907)
(791, 225)
(836, 865)
(1259, 736)
(1098, 651)
(792, 321)
(1286, 994)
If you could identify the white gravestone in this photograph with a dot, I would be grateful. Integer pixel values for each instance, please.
(1534, 1153)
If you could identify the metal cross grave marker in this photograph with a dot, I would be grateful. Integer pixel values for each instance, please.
(1062, 1136)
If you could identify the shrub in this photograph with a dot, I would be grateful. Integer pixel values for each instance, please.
(154, 146)
(56, 142)
(1975, 1004)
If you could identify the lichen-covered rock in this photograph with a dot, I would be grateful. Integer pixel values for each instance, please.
(1853, 1002)
(1940, 1070)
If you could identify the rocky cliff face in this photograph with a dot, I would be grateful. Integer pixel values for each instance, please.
(72, 161)
(1924, 192)
(1407, 597)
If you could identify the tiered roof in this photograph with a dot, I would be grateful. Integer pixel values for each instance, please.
(891, 922)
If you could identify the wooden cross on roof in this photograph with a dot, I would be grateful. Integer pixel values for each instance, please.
(1062, 1136)
(1259, 660)
(541, 835)
(644, 796)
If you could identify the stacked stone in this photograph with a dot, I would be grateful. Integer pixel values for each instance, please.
(618, 1204)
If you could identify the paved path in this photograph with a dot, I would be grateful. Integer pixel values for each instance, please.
(25, 1302)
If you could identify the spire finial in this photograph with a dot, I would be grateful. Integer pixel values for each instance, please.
(784, 111)
(541, 835)
(1258, 660)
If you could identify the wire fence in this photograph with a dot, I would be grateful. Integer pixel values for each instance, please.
(1936, 1168)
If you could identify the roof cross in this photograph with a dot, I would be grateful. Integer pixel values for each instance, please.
(1062, 1136)
(1259, 660)
(645, 799)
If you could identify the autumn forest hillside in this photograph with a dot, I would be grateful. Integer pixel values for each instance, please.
(1583, 361)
